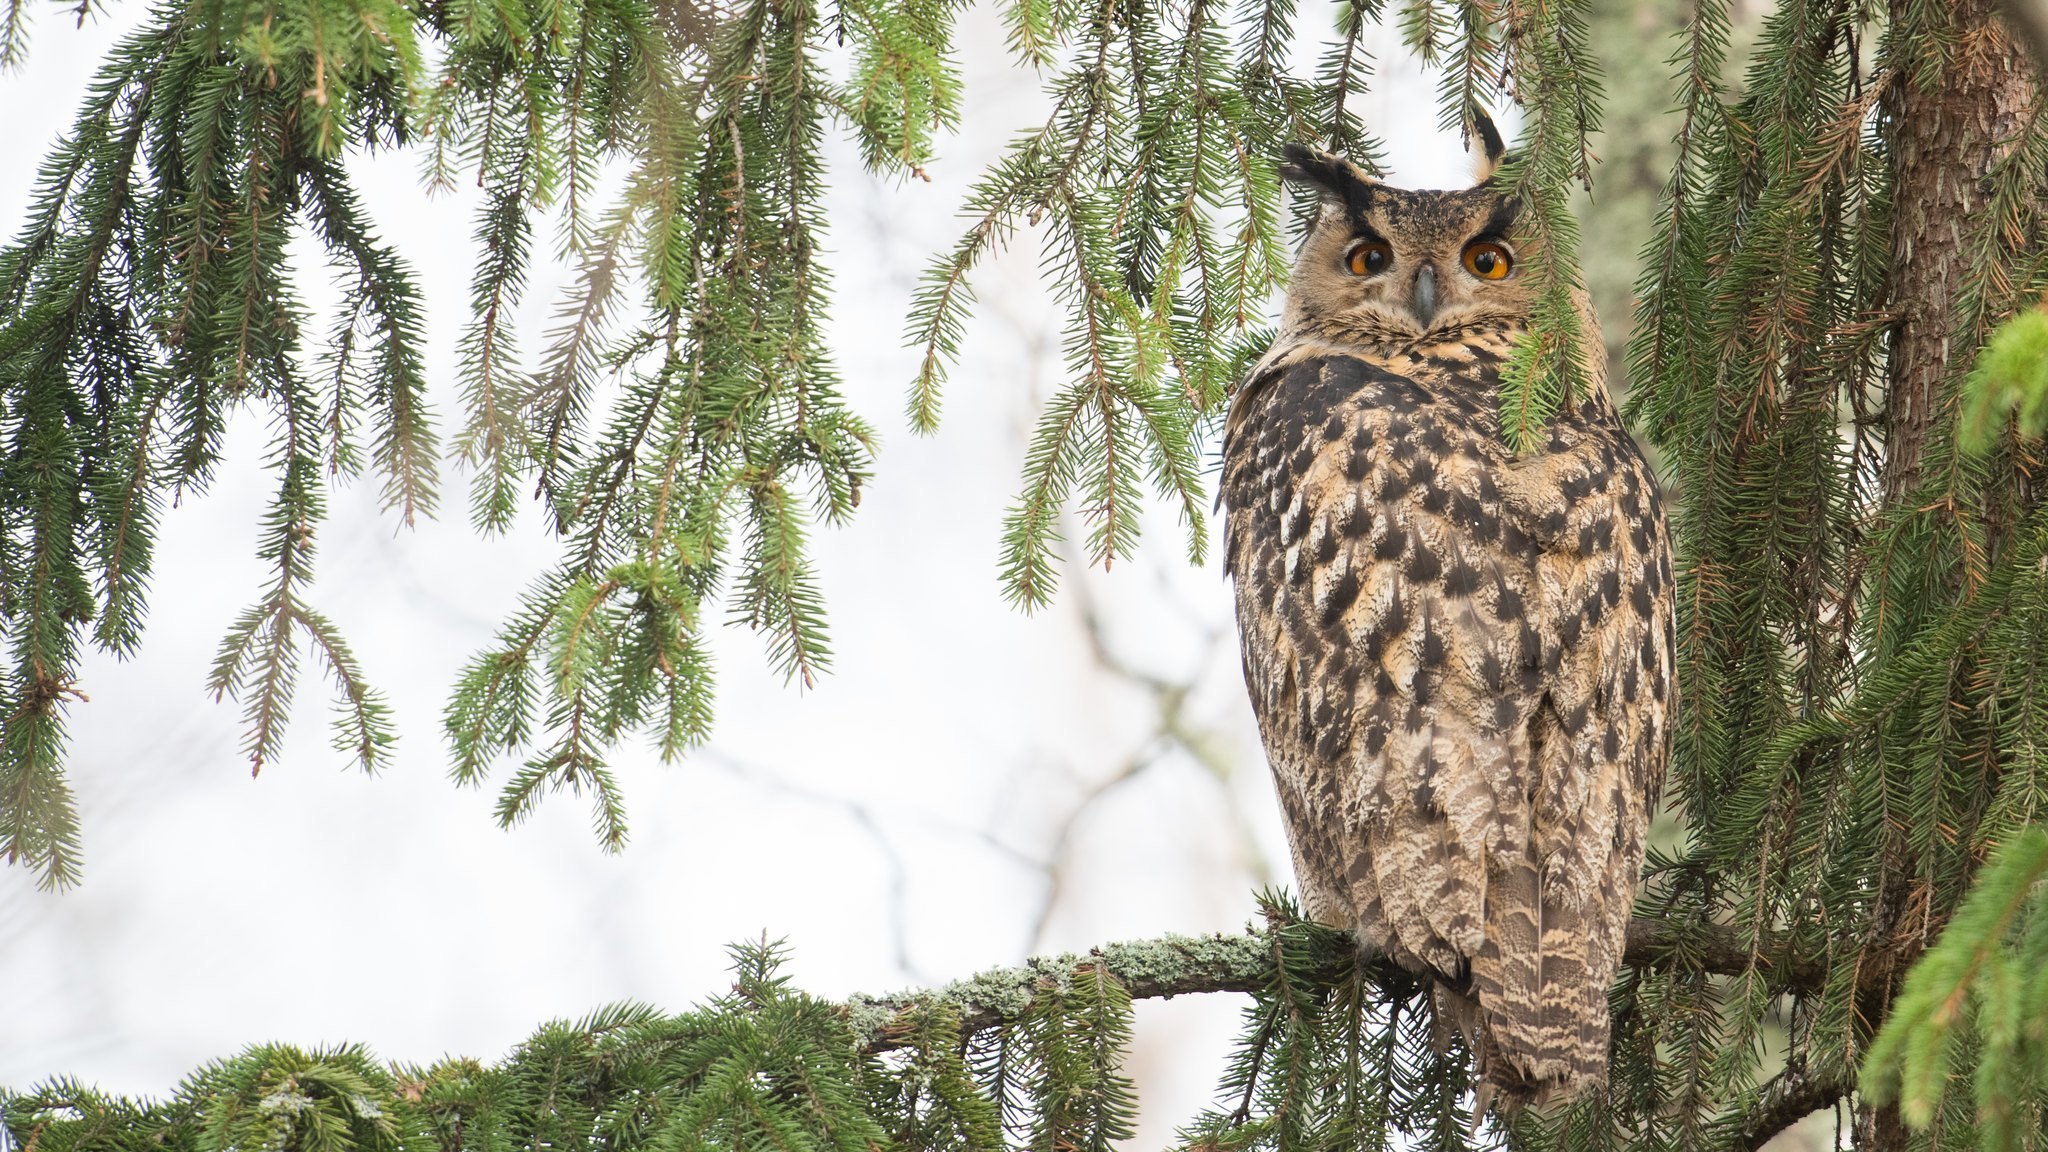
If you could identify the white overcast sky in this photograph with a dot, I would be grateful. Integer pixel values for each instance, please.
(894, 824)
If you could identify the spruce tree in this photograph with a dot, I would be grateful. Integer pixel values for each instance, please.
(1838, 353)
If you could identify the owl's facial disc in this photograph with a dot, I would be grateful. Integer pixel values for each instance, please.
(1391, 265)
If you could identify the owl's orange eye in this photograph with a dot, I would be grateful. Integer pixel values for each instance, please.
(1368, 257)
(1487, 260)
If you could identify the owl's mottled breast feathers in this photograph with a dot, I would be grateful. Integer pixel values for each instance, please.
(1461, 664)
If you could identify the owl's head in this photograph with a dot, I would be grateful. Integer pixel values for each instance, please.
(1394, 264)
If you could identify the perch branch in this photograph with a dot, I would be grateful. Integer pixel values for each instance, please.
(1184, 965)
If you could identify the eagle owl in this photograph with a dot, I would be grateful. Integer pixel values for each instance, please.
(1460, 657)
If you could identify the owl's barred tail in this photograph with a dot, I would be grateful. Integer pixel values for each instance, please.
(1538, 1020)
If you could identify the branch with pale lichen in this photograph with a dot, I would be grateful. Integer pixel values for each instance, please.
(1185, 965)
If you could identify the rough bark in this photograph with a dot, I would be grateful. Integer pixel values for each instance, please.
(1946, 125)
(1944, 132)
(1879, 1128)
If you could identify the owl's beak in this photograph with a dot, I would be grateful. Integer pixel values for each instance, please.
(1423, 300)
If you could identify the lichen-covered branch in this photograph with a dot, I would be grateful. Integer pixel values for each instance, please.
(1175, 965)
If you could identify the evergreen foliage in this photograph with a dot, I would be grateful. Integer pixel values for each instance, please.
(1853, 209)
(681, 426)
(1354, 1062)
(1337, 1054)
(762, 1067)
(1860, 613)
(2009, 380)
(1983, 980)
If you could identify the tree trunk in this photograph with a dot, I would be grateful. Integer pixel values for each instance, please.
(1944, 132)
(1879, 1128)
(1944, 138)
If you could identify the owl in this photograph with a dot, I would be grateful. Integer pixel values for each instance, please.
(1460, 656)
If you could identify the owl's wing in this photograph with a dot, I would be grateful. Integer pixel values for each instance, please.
(1600, 743)
(1385, 596)
(1604, 574)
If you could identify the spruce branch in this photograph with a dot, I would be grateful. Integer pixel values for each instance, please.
(1784, 1100)
(1173, 965)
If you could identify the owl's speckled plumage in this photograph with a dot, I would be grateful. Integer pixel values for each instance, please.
(1461, 660)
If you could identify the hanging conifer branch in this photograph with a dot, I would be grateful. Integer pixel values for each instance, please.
(1853, 209)
(683, 416)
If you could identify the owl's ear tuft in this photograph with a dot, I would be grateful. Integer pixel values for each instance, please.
(1339, 181)
(1493, 151)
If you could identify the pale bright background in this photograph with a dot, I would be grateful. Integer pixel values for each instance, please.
(968, 787)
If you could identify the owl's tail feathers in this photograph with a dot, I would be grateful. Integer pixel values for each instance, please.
(1501, 1085)
(1541, 987)
(1456, 1010)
